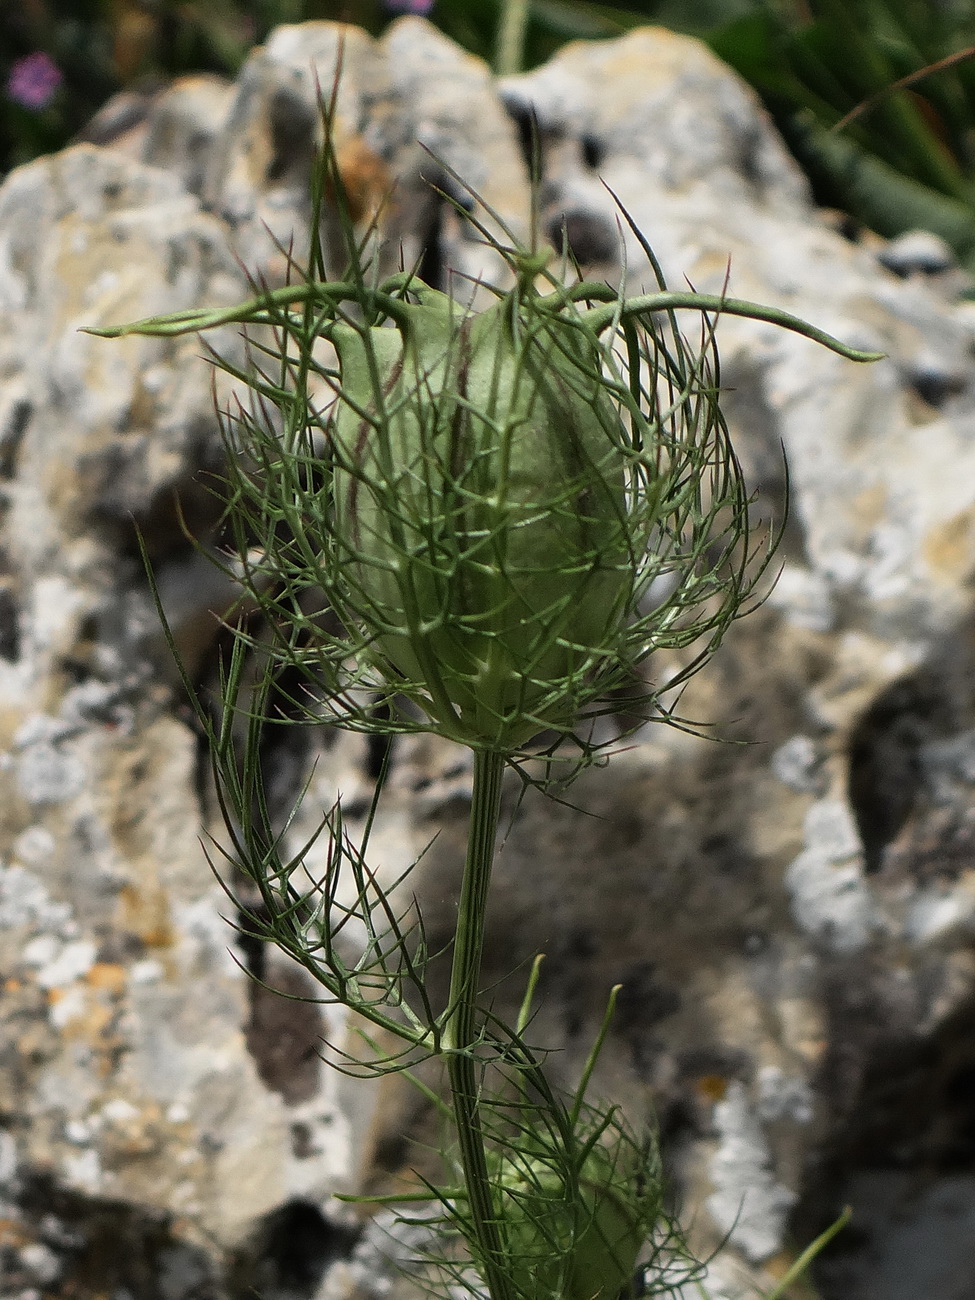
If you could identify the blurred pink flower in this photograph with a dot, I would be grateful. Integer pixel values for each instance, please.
(409, 6)
(33, 80)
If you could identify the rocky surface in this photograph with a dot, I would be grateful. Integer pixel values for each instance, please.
(792, 919)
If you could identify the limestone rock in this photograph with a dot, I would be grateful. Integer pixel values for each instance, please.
(126, 1072)
(791, 919)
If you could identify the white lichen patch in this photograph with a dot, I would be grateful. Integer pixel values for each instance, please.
(46, 771)
(830, 898)
(25, 902)
(83, 1171)
(748, 1203)
(8, 1158)
(783, 1097)
(935, 913)
(35, 845)
(59, 964)
(70, 1005)
(797, 764)
(805, 597)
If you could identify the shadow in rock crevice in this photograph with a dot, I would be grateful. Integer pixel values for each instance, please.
(291, 1253)
(911, 774)
(903, 1158)
(89, 1246)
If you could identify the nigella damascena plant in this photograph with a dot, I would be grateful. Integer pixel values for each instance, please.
(508, 509)
(473, 520)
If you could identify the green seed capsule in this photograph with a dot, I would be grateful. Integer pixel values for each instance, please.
(479, 489)
(568, 1244)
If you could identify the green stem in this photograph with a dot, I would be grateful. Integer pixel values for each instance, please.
(462, 1026)
(598, 318)
(265, 309)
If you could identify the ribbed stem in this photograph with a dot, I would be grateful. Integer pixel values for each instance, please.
(462, 1027)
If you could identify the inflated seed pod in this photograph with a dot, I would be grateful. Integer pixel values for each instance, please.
(479, 492)
(575, 1243)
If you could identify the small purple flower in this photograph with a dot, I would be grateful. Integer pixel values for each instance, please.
(409, 6)
(33, 80)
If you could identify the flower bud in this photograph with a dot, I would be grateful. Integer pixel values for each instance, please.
(479, 493)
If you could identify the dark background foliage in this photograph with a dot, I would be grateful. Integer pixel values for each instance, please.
(906, 161)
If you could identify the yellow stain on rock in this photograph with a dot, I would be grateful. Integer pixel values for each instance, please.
(143, 910)
(869, 506)
(13, 1234)
(90, 1014)
(712, 1087)
(949, 547)
(365, 177)
(108, 975)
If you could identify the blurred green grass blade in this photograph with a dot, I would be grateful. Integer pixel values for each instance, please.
(896, 168)
(756, 47)
(898, 121)
(878, 195)
(837, 47)
(578, 20)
